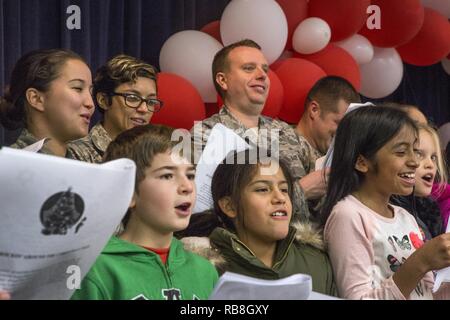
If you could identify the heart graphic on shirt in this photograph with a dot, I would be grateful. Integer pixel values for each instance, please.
(415, 239)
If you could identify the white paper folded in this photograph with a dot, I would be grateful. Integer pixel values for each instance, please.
(56, 216)
(233, 286)
(221, 141)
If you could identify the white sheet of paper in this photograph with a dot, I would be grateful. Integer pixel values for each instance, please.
(221, 141)
(56, 213)
(233, 286)
(442, 275)
(35, 147)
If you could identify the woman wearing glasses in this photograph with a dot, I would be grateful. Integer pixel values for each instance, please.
(125, 91)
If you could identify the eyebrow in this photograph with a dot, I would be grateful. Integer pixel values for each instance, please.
(138, 93)
(172, 168)
(267, 182)
(401, 144)
(81, 80)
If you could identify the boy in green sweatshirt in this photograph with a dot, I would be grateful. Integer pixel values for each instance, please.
(144, 260)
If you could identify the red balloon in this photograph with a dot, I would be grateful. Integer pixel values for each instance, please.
(285, 55)
(182, 102)
(431, 44)
(400, 22)
(296, 11)
(345, 17)
(274, 101)
(335, 61)
(213, 29)
(297, 77)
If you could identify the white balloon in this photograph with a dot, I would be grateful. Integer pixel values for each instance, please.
(446, 65)
(381, 76)
(311, 35)
(190, 54)
(444, 135)
(359, 48)
(443, 6)
(262, 21)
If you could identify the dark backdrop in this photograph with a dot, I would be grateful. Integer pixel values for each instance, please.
(140, 27)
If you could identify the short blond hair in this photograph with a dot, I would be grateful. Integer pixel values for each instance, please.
(440, 164)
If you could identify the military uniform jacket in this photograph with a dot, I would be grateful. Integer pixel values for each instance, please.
(92, 147)
(289, 146)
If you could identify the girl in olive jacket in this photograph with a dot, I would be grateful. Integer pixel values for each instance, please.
(255, 235)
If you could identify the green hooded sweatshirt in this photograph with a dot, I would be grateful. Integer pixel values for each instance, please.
(125, 271)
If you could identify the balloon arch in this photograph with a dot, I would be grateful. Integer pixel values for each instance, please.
(363, 41)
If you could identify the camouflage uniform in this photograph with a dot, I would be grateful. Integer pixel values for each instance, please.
(288, 146)
(92, 147)
(26, 139)
(308, 154)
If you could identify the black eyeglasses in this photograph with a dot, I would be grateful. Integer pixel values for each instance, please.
(132, 100)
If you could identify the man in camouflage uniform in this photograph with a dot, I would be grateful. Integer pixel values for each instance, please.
(125, 91)
(325, 106)
(240, 77)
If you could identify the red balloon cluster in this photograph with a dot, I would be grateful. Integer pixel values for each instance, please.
(400, 22)
(335, 61)
(182, 102)
(296, 12)
(345, 17)
(431, 44)
(419, 34)
(297, 77)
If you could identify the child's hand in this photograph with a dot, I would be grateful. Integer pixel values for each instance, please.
(4, 295)
(435, 253)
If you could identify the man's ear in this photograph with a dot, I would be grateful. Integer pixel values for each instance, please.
(221, 80)
(362, 164)
(35, 99)
(227, 207)
(102, 100)
(314, 109)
